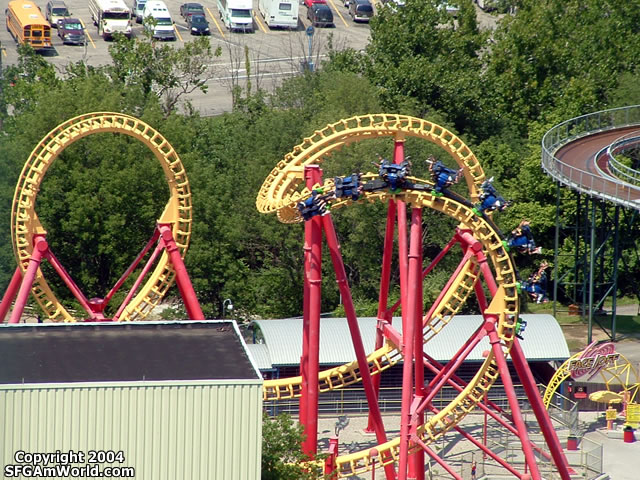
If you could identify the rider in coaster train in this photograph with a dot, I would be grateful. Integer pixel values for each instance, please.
(394, 174)
(521, 238)
(490, 199)
(443, 177)
(536, 284)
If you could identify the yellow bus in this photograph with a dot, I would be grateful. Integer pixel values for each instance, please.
(27, 25)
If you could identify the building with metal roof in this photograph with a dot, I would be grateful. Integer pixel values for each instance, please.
(543, 339)
(279, 346)
(170, 399)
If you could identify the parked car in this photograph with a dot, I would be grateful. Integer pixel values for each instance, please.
(310, 3)
(198, 24)
(452, 10)
(71, 31)
(360, 10)
(138, 8)
(320, 15)
(188, 9)
(54, 11)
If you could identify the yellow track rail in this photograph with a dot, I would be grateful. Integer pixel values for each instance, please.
(279, 192)
(282, 190)
(25, 223)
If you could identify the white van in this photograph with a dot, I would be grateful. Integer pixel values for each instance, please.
(158, 21)
(280, 13)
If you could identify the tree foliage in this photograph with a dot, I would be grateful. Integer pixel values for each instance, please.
(282, 458)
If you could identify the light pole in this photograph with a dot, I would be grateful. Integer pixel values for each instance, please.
(310, 32)
(227, 305)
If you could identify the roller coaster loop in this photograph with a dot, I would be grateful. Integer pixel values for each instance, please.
(172, 233)
(295, 191)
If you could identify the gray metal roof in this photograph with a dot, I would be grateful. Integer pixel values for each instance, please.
(543, 339)
(260, 354)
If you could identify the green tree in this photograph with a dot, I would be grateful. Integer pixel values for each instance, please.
(421, 52)
(164, 71)
(282, 457)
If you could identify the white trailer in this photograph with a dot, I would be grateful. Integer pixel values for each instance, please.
(111, 16)
(280, 13)
(236, 14)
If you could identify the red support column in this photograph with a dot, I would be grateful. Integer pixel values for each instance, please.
(10, 293)
(383, 298)
(313, 273)
(550, 436)
(356, 337)
(93, 309)
(407, 326)
(136, 284)
(530, 459)
(438, 460)
(304, 358)
(182, 277)
(330, 461)
(40, 247)
(414, 307)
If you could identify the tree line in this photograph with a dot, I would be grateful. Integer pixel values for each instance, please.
(499, 90)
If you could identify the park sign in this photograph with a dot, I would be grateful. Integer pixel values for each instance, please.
(593, 359)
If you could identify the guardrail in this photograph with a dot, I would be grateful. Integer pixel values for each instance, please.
(621, 170)
(583, 181)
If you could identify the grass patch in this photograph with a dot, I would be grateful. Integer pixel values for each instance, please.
(627, 323)
(624, 323)
(575, 345)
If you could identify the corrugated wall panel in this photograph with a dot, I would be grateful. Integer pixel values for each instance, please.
(166, 431)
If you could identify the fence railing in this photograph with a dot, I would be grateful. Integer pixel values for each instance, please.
(621, 170)
(354, 401)
(581, 180)
(591, 458)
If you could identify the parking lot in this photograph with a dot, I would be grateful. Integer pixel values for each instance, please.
(275, 54)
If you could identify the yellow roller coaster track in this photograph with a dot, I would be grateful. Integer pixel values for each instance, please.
(621, 373)
(281, 192)
(25, 223)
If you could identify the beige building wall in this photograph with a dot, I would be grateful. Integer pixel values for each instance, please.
(165, 430)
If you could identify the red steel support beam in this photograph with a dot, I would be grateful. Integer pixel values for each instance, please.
(408, 340)
(383, 298)
(356, 338)
(10, 294)
(494, 339)
(550, 436)
(313, 276)
(93, 309)
(439, 460)
(134, 264)
(445, 289)
(136, 284)
(448, 371)
(182, 277)
(40, 247)
(414, 307)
